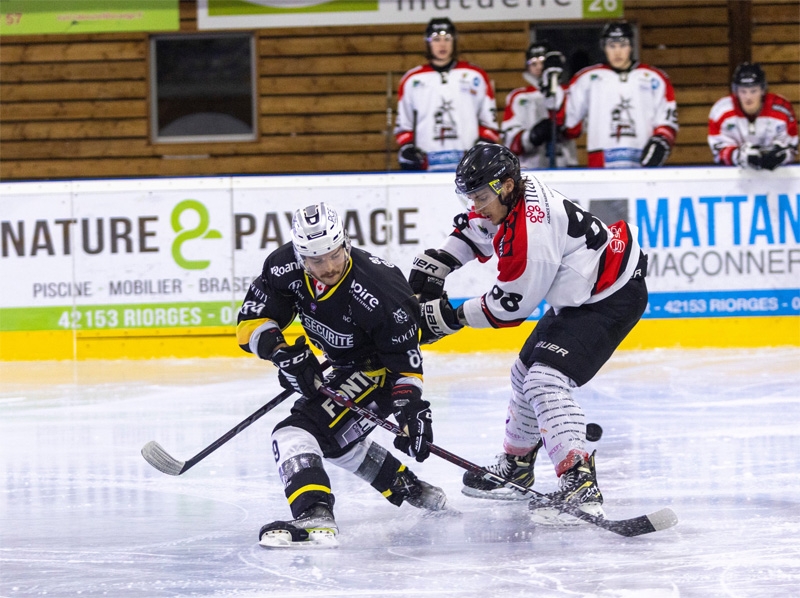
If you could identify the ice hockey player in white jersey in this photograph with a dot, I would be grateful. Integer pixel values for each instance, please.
(628, 109)
(443, 107)
(751, 127)
(591, 275)
(527, 128)
(359, 310)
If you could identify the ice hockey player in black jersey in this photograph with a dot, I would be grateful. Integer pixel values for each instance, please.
(360, 311)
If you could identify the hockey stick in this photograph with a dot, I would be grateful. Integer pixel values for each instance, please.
(159, 458)
(636, 526)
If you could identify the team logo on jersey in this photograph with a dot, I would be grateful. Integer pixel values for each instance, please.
(534, 213)
(444, 126)
(400, 316)
(622, 122)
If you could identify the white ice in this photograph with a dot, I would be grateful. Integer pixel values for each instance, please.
(713, 434)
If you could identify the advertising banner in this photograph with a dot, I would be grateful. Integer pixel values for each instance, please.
(37, 17)
(180, 253)
(259, 14)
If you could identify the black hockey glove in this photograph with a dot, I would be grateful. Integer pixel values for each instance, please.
(267, 341)
(541, 132)
(438, 319)
(428, 273)
(411, 157)
(655, 152)
(298, 368)
(774, 156)
(552, 68)
(414, 417)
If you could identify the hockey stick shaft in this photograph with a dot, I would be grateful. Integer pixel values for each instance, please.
(625, 527)
(156, 456)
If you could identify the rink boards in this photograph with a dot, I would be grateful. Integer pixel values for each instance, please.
(158, 267)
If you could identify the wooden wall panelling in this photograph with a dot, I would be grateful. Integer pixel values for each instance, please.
(77, 106)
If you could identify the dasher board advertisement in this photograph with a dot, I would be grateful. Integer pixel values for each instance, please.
(180, 253)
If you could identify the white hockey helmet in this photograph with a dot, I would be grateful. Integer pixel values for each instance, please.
(317, 230)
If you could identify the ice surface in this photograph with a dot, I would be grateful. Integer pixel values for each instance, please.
(713, 434)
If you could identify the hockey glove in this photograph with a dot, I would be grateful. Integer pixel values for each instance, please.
(774, 156)
(551, 71)
(748, 156)
(298, 368)
(411, 157)
(428, 273)
(414, 417)
(438, 319)
(266, 342)
(541, 132)
(655, 152)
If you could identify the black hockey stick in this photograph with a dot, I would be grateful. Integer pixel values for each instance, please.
(636, 526)
(156, 456)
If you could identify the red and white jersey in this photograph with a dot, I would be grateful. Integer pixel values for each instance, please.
(525, 106)
(444, 113)
(729, 128)
(622, 111)
(547, 248)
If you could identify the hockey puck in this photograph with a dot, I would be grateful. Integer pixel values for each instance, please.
(593, 432)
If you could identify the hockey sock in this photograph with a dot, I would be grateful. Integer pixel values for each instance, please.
(522, 427)
(300, 468)
(561, 420)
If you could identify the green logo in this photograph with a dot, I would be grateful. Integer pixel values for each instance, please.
(262, 7)
(200, 231)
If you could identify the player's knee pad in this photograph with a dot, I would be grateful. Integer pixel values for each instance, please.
(364, 459)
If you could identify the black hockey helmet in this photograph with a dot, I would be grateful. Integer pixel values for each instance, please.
(616, 32)
(749, 75)
(537, 50)
(440, 26)
(486, 165)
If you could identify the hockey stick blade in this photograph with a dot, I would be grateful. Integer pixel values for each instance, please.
(636, 526)
(156, 456)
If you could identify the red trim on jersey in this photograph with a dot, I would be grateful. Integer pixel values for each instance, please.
(516, 144)
(404, 137)
(596, 159)
(495, 323)
(726, 155)
(667, 133)
(467, 65)
(615, 258)
(487, 134)
(511, 245)
(669, 91)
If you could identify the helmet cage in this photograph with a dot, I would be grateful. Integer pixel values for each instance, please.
(317, 230)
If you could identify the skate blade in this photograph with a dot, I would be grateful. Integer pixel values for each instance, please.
(554, 517)
(445, 512)
(317, 538)
(499, 494)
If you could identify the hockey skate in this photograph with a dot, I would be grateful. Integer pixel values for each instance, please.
(578, 487)
(418, 493)
(315, 528)
(511, 467)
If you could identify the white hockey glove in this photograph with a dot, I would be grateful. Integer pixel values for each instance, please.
(438, 320)
(655, 152)
(748, 156)
(428, 273)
